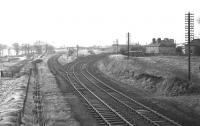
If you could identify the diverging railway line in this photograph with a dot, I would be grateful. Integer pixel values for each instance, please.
(107, 105)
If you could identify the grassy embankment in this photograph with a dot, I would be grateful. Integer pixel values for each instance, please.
(163, 80)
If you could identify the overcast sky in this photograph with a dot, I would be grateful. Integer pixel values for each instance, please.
(93, 22)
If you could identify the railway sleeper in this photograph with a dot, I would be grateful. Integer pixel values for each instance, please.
(97, 116)
(96, 103)
(135, 107)
(80, 88)
(105, 111)
(150, 114)
(109, 114)
(153, 117)
(113, 119)
(142, 111)
(100, 106)
(102, 122)
(99, 119)
(165, 123)
(118, 123)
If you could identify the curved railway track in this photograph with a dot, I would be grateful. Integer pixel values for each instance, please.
(107, 105)
(104, 114)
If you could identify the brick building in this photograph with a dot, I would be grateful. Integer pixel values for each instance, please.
(159, 46)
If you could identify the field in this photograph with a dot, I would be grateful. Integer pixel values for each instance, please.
(175, 65)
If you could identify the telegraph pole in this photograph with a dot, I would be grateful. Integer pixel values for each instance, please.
(189, 28)
(128, 43)
(117, 45)
(77, 50)
(46, 48)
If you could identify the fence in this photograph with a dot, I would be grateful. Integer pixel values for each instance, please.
(21, 112)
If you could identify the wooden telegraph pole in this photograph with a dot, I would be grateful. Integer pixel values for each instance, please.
(189, 29)
(128, 43)
(117, 44)
(77, 50)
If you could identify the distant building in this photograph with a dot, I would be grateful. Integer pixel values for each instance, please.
(121, 46)
(134, 49)
(8, 52)
(195, 47)
(159, 46)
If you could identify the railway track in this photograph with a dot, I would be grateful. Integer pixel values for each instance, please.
(104, 114)
(145, 112)
(107, 105)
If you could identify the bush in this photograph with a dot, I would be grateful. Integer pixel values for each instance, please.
(179, 50)
(123, 51)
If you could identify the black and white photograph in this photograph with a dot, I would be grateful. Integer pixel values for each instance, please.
(99, 63)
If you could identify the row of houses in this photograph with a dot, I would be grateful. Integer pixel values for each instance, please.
(166, 47)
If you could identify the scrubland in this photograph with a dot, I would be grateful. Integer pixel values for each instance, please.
(13, 90)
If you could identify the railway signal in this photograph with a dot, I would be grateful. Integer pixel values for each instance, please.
(189, 35)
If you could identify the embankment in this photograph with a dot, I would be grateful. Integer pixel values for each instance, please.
(134, 72)
(162, 82)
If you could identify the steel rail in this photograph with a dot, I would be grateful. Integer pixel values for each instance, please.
(149, 109)
(126, 122)
(82, 95)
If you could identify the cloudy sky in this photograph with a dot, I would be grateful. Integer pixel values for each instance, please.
(93, 22)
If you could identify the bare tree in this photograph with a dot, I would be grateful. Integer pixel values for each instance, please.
(2, 47)
(16, 47)
(198, 20)
(38, 47)
(22, 48)
(50, 48)
(26, 48)
(31, 49)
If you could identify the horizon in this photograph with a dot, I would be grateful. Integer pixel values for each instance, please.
(92, 22)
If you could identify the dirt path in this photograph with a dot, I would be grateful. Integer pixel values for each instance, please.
(56, 110)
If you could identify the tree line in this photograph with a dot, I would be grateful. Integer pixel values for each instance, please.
(25, 49)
